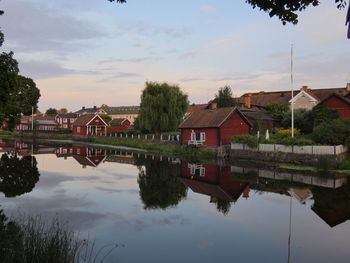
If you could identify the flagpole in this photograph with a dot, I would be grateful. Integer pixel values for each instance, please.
(292, 86)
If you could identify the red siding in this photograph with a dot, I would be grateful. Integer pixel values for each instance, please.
(235, 125)
(342, 107)
(82, 130)
(211, 135)
(126, 124)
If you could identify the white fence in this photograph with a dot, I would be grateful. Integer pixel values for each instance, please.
(314, 150)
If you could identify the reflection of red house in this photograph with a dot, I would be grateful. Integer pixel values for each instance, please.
(333, 217)
(339, 103)
(214, 181)
(88, 156)
(119, 125)
(89, 124)
(213, 127)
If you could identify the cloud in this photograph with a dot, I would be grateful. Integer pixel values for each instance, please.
(190, 79)
(120, 75)
(188, 55)
(42, 29)
(151, 30)
(46, 69)
(207, 9)
(130, 60)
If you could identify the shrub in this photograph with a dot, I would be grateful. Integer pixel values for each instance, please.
(334, 132)
(250, 140)
(345, 165)
(288, 131)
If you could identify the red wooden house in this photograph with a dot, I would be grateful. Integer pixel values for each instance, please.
(213, 127)
(119, 125)
(89, 124)
(339, 103)
(214, 181)
(66, 120)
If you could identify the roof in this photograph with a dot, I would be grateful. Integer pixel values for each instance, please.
(123, 110)
(209, 118)
(195, 107)
(44, 117)
(85, 119)
(88, 110)
(256, 115)
(265, 98)
(346, 100)
(67, 115)
(46, 122)
(117, 121)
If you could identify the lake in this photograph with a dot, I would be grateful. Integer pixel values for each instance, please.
(160, 209)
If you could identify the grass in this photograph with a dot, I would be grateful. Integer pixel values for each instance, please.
(162, 148)
(32, 239)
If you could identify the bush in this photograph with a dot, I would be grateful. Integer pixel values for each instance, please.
(334, 132)
(345, 165)
(250, 140)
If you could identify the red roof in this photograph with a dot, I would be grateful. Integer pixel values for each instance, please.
(265, 98)
(195, 107)
(84, 120)
(209, 118)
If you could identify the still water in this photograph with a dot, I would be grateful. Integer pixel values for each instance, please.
(161, 209)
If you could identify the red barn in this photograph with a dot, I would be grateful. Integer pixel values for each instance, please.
(66, 120)
(119, 125)
(213, 127)
(89, 124)
(339, 103)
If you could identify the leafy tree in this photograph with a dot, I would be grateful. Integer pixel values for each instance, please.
(51, 111)
(162, 107)
(18, 94)
(18, 176)
(322, 114)
(224, 98)
(104, 106)
(277, 110)
(159, 186)
(223, 206)
(106, 118)
(285, 10)
(303, 120)
(62, 111)
(333, 132)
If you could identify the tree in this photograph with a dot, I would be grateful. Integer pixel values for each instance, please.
(18, 176)
(62, 111)
(224, 98)
(285, 10)
(223, 206)
(159, 186)
(333, 132)
(277, 110)
(18, 94)
(51, 111)
(322, 114)
(162, 107)
(303, 120)
(106, 118)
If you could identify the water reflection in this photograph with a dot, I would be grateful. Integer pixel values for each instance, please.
(18, 175)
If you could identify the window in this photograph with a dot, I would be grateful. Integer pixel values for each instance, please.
(64, 120)
(202, 136)
(65, 126)
(71, 120)
(78, 129)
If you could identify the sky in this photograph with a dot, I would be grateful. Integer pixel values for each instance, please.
(93, 52)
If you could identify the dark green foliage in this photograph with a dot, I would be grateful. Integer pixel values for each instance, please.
(345, 164)
(322, 114)
(17, 93)
(159, 186)
(162, 107)
(223, 206)
(224, 98)
(303, 120)
(276, 110)
(250, 140)
(286, 139)
(51, 111)
(106, 118)
(17, 176)
(334, 132)
(286, 10)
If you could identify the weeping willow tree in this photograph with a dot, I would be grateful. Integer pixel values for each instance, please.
(162, 107)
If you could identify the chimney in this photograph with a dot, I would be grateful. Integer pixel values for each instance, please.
(305, 88)
(95, 107)
(247, 100)
(213, 106)
(348, 86)
(83, 108)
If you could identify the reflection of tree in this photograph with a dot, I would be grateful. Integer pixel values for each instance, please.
(223, 206)
(17, 176)
(159, 186)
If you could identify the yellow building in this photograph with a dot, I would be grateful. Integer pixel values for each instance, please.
(123, 112)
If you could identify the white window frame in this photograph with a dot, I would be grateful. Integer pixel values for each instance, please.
(78, 129)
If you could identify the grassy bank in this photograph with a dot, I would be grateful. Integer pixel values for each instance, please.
(162, 148)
